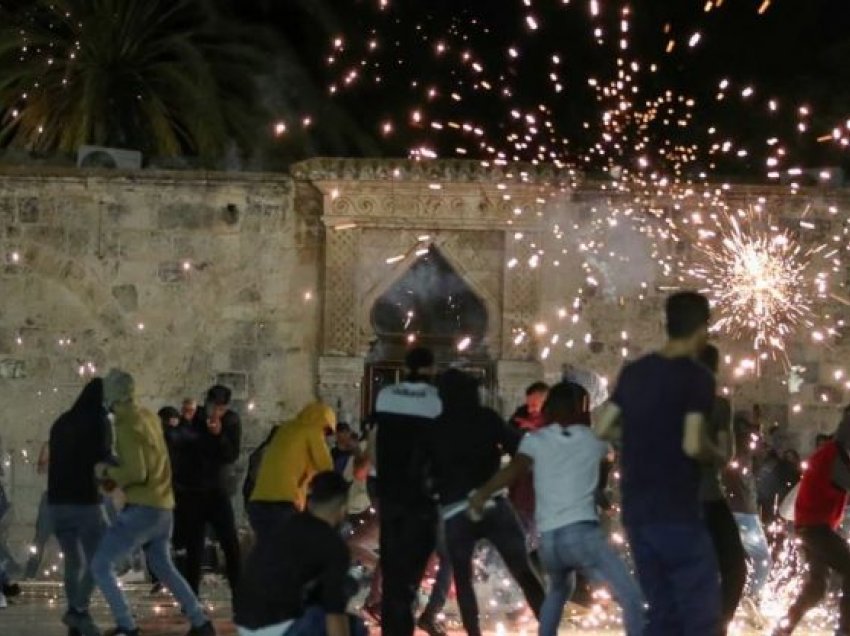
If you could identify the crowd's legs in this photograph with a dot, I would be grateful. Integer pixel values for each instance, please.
(677, 570)
(135, 527)
(408, 538)
(78, 530)
(501, 527)
(731, 558)
(755, 544)
(196, 510)
(584, 547)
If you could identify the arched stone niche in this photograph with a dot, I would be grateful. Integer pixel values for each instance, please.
(378, 215)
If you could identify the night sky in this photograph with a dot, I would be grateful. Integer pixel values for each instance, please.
(797, 51)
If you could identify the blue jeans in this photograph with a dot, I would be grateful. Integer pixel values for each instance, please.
(312, 623)
(43, 530)
(138, 526)
(584, 547)
(755, 544)
(78, 530)
(678, 572)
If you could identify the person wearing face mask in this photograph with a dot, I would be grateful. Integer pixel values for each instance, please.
(296, 580)
(143, 473)
(207, 454)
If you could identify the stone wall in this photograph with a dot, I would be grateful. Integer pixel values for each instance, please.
(183, 279)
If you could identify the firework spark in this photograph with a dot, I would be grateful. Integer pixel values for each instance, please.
(755, 274)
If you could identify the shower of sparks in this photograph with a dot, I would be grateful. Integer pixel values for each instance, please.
(755, 275)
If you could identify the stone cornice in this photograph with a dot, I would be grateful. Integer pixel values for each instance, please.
(324, 169)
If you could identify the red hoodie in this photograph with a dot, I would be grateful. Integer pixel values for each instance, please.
(819, 501)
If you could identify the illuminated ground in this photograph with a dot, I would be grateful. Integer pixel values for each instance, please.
(38, 611)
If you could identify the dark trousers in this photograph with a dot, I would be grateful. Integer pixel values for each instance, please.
(731, 556)
(408, 537)
(824, 550)
(195, 511)
(677, 570)
(267, 517)
(501, 527)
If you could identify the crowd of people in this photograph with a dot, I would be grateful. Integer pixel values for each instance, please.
(435, 473)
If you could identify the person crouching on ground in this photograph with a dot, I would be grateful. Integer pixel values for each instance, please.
(296, 580)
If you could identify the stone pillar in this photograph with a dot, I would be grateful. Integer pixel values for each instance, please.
(340, 384)
(513, 378)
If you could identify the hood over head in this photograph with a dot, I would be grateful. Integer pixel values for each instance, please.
(90, 399)
(317, 415)
(118, 387)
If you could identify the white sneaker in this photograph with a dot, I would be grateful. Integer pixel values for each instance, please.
(3, 602)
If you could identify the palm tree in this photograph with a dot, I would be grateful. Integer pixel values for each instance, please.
(167, 77)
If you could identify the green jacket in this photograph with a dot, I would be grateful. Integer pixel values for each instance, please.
(144, 470)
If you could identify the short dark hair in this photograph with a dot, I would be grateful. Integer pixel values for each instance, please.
(219, 395)
(537, 387)
(710, 357)
(327, 487)
(419, 358)
(167, 412)
(343, 427)
(565, 397)
(686, 313)
(458, 390)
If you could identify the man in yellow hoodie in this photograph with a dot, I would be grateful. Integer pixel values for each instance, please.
(144, 475)
(296, 452)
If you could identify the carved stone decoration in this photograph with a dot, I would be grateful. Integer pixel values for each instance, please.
(340, 326)
(340, 379)
(521, 302)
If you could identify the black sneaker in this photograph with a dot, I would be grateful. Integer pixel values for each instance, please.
(11, 590)
(428, 623)
(207, 629)
(81, 623)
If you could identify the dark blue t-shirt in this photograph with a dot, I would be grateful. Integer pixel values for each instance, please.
(660, 484)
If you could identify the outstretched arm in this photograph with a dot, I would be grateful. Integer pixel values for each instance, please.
(608, 425)
(519, 465)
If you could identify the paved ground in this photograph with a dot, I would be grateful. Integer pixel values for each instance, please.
(37, 613)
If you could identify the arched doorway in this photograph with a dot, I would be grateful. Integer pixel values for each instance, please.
(430, 305)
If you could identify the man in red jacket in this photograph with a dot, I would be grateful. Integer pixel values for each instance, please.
(818, 513)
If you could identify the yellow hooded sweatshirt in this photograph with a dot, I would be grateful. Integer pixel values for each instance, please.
(144, 470)
(297, 451)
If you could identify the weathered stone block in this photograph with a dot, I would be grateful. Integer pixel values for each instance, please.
(195, 216)
(12, 369)
(238, 382)
(29, 210)
(127, 297)
(244, 359)
(171, 272)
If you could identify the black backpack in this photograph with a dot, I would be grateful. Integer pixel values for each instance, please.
(254, 461)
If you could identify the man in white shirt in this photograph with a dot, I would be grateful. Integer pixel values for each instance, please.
(565, 457)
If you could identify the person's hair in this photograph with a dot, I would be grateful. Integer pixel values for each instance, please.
(167, 412)
(567, 399)
(343, 427)
(710, 357)
(458, 391)
(187, 401)
(537, 387)
(686, 313)
(219, 395)
(418, 358)
(327, 488)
